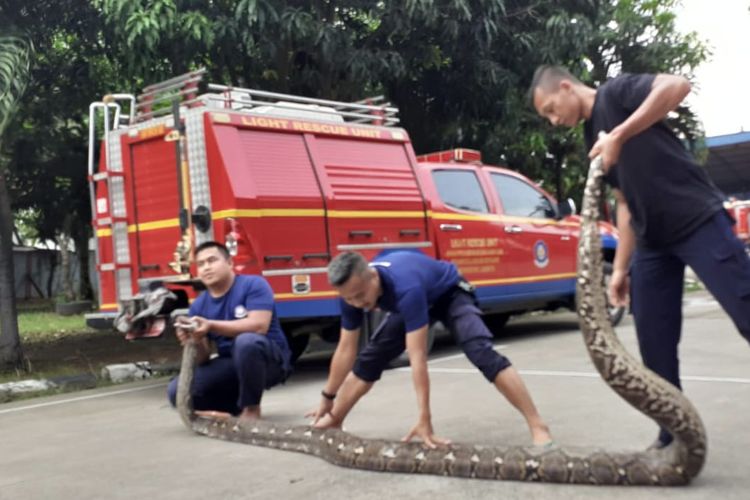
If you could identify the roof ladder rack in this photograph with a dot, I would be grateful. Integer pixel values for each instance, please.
(113, 178)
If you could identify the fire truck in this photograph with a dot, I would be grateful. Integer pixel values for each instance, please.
(740, 212)
(287, 183)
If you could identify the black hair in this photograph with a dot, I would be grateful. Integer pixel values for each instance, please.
(548, 78)
(213, 244)
(344, 266)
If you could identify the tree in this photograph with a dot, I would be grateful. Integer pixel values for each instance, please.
(14, 67)
(457, 69)
(48, 140)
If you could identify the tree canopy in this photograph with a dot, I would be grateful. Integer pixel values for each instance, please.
(457, 69)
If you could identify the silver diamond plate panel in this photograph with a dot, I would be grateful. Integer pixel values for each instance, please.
(116, 184)
(200, 190)
(124, 284)
(120, 239)
(121, 242)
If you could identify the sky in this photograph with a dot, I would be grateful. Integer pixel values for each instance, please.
(721, 90)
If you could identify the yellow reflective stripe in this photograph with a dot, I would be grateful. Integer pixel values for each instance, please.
(370, 214)
(314, 212)
(145, 226)
(537, 221)
(108, 306)
(157, 224)
(268, 212)
(452, 216)
(351, 214)
(304, 295)
(500, 218)
(524, 279)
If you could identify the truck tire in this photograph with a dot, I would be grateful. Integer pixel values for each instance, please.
(496, 322)
(72, 308)
(377, 317)
(615, 313)
(436, 329)
(298, 344)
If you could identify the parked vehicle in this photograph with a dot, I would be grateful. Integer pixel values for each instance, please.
(740, 212)
(287, 183)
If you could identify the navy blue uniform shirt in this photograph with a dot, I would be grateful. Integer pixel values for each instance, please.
(248, 293)
(411, 283)
(669, 195)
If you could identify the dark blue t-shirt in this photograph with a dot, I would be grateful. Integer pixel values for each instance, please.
(411, 282)
(669, 195)
(248, 293)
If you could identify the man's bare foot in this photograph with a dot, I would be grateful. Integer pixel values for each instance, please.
(327, 421)
(250, 413)
(540, 435)
(215, 415)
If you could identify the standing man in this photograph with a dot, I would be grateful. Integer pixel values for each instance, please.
(237, 315)
(416, 290)
(669, 213)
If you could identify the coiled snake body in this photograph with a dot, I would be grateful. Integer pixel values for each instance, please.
(674, 465)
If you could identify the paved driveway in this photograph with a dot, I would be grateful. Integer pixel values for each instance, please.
(125, 442)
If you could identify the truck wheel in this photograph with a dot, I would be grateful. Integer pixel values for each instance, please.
(298, 344)
(496, 322)
(377, 317)
(436, 329)
(615, 313)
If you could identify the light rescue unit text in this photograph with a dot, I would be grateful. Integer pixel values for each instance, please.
(316, 128)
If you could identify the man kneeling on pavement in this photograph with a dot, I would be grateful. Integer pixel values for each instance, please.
(237, 315)
(415, 290)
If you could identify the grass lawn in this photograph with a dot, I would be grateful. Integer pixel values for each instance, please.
(41, 326)
(55, 345)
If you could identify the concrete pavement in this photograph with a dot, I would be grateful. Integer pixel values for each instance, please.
(126, 442)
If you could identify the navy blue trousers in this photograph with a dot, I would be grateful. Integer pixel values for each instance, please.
(229, 384)
(458, 311)
(719, 260)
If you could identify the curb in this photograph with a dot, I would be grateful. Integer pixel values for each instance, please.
(117, 374)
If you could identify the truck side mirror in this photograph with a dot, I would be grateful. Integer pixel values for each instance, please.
(566, 208)
(202, 218)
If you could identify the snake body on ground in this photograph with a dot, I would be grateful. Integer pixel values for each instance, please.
(676, 464)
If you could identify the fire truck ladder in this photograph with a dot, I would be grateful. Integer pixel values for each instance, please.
(156, 99)
(371, 111)
(113, 178)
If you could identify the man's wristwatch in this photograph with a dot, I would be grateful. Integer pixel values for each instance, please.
(328, 396)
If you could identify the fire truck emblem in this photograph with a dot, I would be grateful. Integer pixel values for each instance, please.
(301, 284)
(541, 254)
(240, 312)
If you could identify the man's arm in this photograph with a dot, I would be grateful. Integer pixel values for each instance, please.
(416, 348)
(256, 321)
(619, 287)
(202, 344)
(343, 359)
(341, 364)
(667, 92)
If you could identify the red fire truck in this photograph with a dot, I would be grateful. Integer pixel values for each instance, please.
(740, 212)
(287, 182)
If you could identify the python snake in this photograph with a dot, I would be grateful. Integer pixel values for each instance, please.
(676, 464)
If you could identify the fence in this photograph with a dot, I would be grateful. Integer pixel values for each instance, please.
(38, 273)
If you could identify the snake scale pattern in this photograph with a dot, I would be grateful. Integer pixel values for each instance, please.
(676, 464)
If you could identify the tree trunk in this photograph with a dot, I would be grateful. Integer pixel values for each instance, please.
(11, 355)
(51, 277)
(81, 239)
(63, 242)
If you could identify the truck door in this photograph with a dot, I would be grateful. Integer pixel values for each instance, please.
(468, 234)
(156, 204)
(373, 200)
(540, 248)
